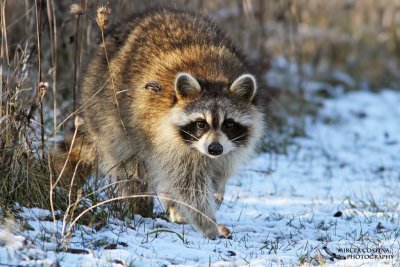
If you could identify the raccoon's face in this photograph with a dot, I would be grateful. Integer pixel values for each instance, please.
(215, 121)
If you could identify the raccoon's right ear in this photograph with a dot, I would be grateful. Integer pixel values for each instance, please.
(186, 86)
(245, 87)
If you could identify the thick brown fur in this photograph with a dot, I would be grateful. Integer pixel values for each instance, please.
(130, 125)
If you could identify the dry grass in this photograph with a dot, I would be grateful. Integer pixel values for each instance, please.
(49, 41)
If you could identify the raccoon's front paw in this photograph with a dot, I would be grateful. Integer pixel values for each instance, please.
(218, 231)
(175, 216)
(211, 232)
(224, 232)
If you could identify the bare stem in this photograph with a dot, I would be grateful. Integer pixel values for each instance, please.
(76, 58)
(112, 81)
(42, 126)
(51, 195)
(53, 36)
(66, 215)
(4, 51)
(38, 4)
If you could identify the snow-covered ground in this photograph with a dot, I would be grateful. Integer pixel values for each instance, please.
(334, 195)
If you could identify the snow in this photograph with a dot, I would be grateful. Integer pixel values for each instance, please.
(280, 208)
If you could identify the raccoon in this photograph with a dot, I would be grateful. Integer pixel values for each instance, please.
(171, 107)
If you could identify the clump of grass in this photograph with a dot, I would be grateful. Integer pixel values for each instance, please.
(24, 166)
(24, 169)
(23, 173)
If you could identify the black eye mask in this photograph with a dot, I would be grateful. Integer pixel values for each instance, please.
(193, 131)
(235, 132)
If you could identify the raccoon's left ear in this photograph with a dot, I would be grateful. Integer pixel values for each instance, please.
(186, 86)
(245, 87)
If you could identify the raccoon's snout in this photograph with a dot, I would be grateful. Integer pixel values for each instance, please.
(215, 149)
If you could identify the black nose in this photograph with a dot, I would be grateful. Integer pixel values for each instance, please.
(215, 149)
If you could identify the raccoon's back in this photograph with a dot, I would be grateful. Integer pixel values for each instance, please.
(146, 37)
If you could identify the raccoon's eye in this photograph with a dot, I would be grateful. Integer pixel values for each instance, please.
(201, 124)
(229, 123)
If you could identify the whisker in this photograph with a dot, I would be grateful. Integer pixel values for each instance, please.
(197, 139)
(237, 137)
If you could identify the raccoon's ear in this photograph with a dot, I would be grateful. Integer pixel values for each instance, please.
(245, 87)
(186, 86)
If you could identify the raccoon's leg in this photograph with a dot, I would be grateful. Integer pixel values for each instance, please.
(220, 177)
(134, 180)
(219, 197)
(190, 191)
(75, 158)
(200, 211)
(219, 192)
(174, 215)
